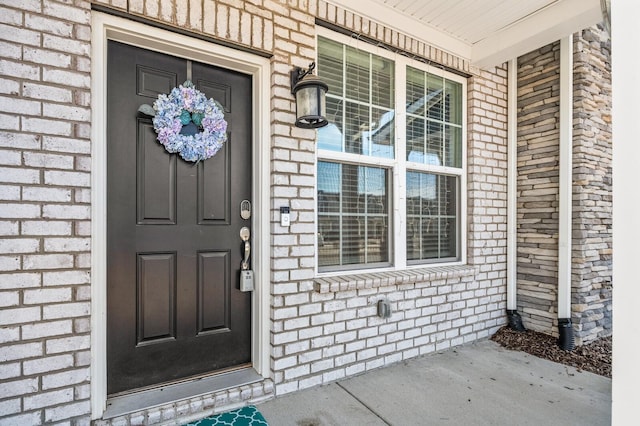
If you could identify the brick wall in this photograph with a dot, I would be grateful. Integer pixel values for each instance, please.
(487, 189)
(324, 334)
(327, 329)
(321, 330)
(45, 211)
(538, 175)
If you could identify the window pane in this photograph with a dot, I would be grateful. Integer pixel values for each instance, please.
(358, 121)
(382, 77)
(360, 107)
(330, 65)
(431, 216)
(453, 146)
(433, 145)
(328, 187)
(330, 136)
(434, 97)
(425, 94)
(353, 215)
(358, 77)
(416, 92)
(424, 142)
(447, 237)
(379, 141)
(416, 139)
(433, 103)
(453, 104)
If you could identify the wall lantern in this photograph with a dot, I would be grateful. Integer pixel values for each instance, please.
(310, 93)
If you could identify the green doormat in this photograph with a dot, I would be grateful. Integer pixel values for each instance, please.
(245, 416)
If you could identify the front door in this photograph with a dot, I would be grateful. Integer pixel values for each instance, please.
(174, 308)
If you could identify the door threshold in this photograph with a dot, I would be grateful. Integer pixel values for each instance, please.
(145, 399)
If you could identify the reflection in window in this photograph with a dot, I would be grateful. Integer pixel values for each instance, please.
(434, 128)
(358, 156)
(353, 215)
(360, 101)
(431, 216)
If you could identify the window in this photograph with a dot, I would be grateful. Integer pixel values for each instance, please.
(433, 138)
(390, 162)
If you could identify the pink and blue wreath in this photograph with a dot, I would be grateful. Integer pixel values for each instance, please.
(189, 124)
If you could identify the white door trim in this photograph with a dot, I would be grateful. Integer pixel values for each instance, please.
(105, 27)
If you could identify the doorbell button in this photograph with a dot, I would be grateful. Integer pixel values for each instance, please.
(285, 219)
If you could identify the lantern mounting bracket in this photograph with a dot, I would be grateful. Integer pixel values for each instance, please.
(299, 73)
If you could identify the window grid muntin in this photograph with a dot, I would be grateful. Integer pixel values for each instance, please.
(400, 166)
(431, 119)
(342, 98)
(436, 213)
(363, 217)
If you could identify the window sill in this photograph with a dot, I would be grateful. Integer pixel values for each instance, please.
(383, 279)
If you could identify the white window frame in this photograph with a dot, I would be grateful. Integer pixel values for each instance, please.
(398, 165)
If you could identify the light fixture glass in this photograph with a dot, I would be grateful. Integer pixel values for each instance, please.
(310, 93)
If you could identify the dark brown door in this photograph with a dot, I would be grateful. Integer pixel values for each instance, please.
(174, 309)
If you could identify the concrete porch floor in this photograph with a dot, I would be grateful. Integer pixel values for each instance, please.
(476, 384)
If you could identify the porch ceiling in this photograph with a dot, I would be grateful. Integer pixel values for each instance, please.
(485, 32)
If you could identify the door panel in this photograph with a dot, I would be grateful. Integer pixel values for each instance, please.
(216, 90)
(156, 179)
(213, 309)
(152, 81)
(174, 309)
(156, 289)
(214, 181)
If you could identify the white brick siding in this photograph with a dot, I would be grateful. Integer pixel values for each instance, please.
(326, 329)
(43, 68)
(322, 329)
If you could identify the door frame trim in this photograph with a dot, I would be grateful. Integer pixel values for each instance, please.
(106, 27)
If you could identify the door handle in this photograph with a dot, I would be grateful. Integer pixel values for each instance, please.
(247, 252)
(246, 274)
(245, 234)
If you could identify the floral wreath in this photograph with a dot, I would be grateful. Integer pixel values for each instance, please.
(188, 123)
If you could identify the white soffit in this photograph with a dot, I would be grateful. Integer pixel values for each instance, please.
(485, 32)
(548, 25)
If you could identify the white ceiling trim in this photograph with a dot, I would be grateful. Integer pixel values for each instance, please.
(525, 33)
(532, 32)
(407, 25)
